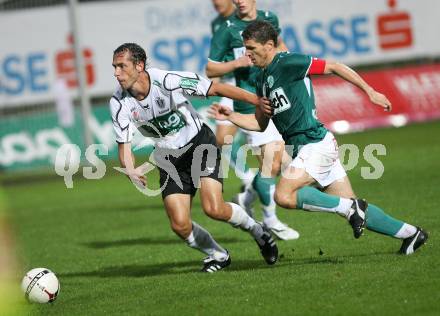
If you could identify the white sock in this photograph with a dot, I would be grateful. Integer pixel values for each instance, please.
(247, 177)
(202, 240)
(249, 195)
(406, 231)
(240, 218)
(343, 208)
(269, 211)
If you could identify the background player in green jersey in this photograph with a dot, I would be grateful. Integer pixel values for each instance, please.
(227, 54)
(224, 8)
(225, 130)
(284, 80)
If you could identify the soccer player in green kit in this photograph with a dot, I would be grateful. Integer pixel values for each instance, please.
(287, 96)
(225, 9)
(227, 54)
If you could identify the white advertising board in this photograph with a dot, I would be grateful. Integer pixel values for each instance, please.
(36, 50)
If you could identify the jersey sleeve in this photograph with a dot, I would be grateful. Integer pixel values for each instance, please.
(219, 44)
(187, 83)
(122, 124)
(297, 65)
(317, 67)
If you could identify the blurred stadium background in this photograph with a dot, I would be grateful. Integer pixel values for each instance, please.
(394, 44)
(392, 41)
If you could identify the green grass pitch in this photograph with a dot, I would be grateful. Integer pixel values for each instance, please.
(114, 253)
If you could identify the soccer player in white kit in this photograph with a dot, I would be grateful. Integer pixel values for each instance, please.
(155, 102)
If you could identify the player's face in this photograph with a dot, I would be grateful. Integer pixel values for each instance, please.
(222, 6)
(245, 7)
(257, 52)
(126, 72)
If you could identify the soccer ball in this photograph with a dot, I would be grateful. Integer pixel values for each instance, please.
(40, 285)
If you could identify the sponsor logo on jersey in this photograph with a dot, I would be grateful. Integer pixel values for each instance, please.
(189, 83)
(279, 100)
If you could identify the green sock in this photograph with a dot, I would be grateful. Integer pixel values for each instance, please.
(377, 220)
(380, 222)
(242, 168)
(265, 188)
(311, 199)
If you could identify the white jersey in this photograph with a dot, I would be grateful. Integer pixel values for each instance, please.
(165, 114)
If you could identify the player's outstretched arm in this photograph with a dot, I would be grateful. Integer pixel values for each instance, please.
(350, 75)
(246, 121)
(218, 69)
(232, 92)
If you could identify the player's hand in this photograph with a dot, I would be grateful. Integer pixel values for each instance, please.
(219, 112)
(243, 61)
(137, 177)
(380, 100)
(265, 106)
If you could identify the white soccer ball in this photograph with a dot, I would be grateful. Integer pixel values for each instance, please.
(40, 285)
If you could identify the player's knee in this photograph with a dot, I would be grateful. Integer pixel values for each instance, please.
(285, 199)
(181, 228)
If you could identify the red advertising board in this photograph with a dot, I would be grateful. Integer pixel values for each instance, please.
(413, 91)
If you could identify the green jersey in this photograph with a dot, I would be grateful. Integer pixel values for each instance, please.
(215, 26)
(286, 83)
(217, 22)
(227, 44)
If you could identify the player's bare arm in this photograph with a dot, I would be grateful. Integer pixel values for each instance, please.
(232, 92)
(350, 75)
(218, 69)
(126, 159)
(253, 122)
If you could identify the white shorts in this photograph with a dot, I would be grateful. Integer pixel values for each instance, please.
(257, 139)
(321, 161)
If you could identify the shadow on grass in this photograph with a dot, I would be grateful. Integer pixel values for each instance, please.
(193, 266)
(168, 268)
(148, 241)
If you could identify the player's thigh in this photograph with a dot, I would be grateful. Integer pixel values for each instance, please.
(224, 134)
(341, 187)
(271, 158)
(178, 209)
